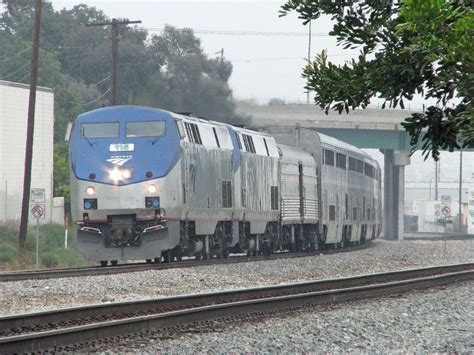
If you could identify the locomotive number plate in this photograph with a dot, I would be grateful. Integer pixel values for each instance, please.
(122, 147)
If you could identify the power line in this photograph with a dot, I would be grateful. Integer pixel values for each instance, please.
(15, 55)
(91, 102)
(16, 71)
(244, 33)
(115, 29)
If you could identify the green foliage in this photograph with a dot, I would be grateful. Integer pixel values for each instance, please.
(49, 259)
(7, 253)
(406, 48)
(52, 252)
(169, 70)
(61, 172)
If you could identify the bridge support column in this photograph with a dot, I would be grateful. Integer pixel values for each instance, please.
(394, 192)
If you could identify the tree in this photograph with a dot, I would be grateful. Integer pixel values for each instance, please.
(169, 71)
(410, 47)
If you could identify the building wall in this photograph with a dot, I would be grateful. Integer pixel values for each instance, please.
(13, 122)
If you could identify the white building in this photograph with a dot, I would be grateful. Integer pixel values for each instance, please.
(13, 122)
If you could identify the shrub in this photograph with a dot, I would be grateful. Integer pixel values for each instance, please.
(52, 235)
(8, 234)
(49, 259)
(7, 253)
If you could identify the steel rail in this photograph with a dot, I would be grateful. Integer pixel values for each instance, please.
(175, 311)
(137, 267)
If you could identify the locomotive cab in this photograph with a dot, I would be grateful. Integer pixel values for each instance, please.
(120, 160)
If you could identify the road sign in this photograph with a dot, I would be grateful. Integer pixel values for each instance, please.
(37, 211)
(446, 210)
(38, 196)
(445, 199)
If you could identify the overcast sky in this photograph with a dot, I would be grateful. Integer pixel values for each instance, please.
(265, 66)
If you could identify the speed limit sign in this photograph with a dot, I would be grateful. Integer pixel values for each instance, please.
(37, 211)
(446, 210)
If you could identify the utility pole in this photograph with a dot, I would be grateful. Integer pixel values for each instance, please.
(30, 129)
(115, 30)
(436, 179)
(221, 52)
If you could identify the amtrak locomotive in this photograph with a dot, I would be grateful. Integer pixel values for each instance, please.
(155, 185)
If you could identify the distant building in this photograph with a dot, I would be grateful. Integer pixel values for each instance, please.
(13, 123)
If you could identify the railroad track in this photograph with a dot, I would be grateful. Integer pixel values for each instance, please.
(136, 267)
(69, 329)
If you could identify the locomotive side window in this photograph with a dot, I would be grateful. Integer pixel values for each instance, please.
(274, 197)
(145, 129)
(329, 157)
(266, 146)
(215, 135)
(100, 130)
(332, 212)
(248, 142)
(341, 161)
(226, 194)
(192, 131)
(359, 166)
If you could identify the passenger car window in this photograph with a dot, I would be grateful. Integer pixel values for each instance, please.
(100, 130)
(145, 129)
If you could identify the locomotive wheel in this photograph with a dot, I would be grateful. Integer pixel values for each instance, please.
(267, 250)
(157, 259)
(167, 256)
(291, 247)
(148, 261)
(103, 263)
(114, 262)
(225, 253)
(198, 256)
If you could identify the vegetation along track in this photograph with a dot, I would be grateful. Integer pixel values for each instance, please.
(66, 329)
(136, 267)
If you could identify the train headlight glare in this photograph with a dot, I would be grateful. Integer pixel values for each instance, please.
(126, 174)
(119, 174)
(151, 189)
(90, 191)
(115, 175)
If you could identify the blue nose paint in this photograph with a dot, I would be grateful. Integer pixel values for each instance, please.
(87, 205)
(156, 203)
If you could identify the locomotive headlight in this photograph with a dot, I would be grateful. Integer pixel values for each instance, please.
(151, 189)
(90, 191)
(115, 175)
(126, 174)
(119, 174)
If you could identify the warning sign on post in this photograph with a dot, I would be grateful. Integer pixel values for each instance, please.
(37, 211)
(446, 210)
(38, 196)
(445, 199)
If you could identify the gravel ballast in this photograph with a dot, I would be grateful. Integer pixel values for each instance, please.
(36, 295)
(437, 320)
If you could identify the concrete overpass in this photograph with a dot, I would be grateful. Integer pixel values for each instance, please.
(370, 128)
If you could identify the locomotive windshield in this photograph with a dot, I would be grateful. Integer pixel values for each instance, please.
(100, 130)
(145, 129)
